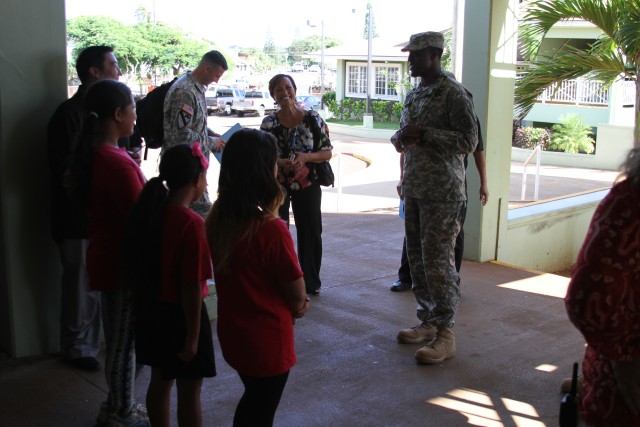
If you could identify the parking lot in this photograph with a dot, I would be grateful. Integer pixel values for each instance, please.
(307, 81)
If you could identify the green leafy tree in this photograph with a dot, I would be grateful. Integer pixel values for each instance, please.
(262, 61)
(612, 56)
(308, 44)
(269, 47)
(85, 31)
(156, 42)
(146, 49)
(572, 135)
(445, 61)
(166, 50)
(374, 32)
(143, 15)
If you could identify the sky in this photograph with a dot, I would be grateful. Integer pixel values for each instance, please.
(247, 23)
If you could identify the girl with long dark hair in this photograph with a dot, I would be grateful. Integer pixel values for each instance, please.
(259, 283)
(169, 277)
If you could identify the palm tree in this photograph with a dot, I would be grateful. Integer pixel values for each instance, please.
(611, 57)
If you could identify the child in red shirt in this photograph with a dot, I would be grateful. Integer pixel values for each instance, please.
(106, 181)
(259, 283)
(170, 276)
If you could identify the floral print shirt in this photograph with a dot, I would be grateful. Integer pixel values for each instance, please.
(603, 302)
(299, 139)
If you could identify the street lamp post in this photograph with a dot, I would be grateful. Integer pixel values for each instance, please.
(322, 66)
(370, 73)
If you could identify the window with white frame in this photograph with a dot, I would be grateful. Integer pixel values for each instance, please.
(356, 80)
(386, 81)
(387, 77)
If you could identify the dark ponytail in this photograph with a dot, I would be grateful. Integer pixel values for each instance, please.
(144, 240)
(178, 168)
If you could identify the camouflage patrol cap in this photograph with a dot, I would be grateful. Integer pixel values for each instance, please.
(427, 39)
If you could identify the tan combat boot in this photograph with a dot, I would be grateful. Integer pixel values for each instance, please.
(417, 334)
(443, 347)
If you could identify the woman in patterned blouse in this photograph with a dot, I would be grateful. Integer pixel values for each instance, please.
(603, 302)
(303, 141)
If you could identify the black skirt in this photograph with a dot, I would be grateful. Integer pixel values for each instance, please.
(160, 334)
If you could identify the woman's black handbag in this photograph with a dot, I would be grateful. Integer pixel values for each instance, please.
(325, 174)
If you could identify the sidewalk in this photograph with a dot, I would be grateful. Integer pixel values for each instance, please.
(359, 188)
(374, 187)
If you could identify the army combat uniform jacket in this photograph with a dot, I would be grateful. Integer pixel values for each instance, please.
(434, 169)
(185, 122)
(185, 115)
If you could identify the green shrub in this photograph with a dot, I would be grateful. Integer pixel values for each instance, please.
(328, 97)
(354, 109)
(396, 111)
(334, 107)
(358, 108)
(379, 110)
(346, 108)
(528, 137)
(385, 111)
(572, 135)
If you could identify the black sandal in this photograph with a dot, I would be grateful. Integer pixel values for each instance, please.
(316, 292)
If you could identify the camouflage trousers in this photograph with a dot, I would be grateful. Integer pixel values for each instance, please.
(431, 229)
(202, 205)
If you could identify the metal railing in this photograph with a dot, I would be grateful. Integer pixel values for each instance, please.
(628, 93)
(576, 91)
(537, 151)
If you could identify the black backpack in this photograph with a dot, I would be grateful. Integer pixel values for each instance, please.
(150, 112)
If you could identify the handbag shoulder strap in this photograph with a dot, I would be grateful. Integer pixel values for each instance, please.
(315, 129)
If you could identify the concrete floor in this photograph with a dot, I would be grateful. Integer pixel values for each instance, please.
(514, 345)
(514, 342)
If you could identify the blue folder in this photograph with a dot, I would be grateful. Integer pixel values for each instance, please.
(233, 129)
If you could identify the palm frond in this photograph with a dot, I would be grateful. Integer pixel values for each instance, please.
(542, 15)
(629, 33)
(602, 65)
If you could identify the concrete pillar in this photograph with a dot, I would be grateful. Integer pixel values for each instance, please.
(32, 84)
(367, 121)
(487, 68)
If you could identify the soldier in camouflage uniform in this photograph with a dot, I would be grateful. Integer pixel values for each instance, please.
(438, 129)
(185, 113)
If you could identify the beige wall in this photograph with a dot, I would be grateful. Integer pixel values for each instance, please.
(32, 84)
(549, 237)
(487, 68)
